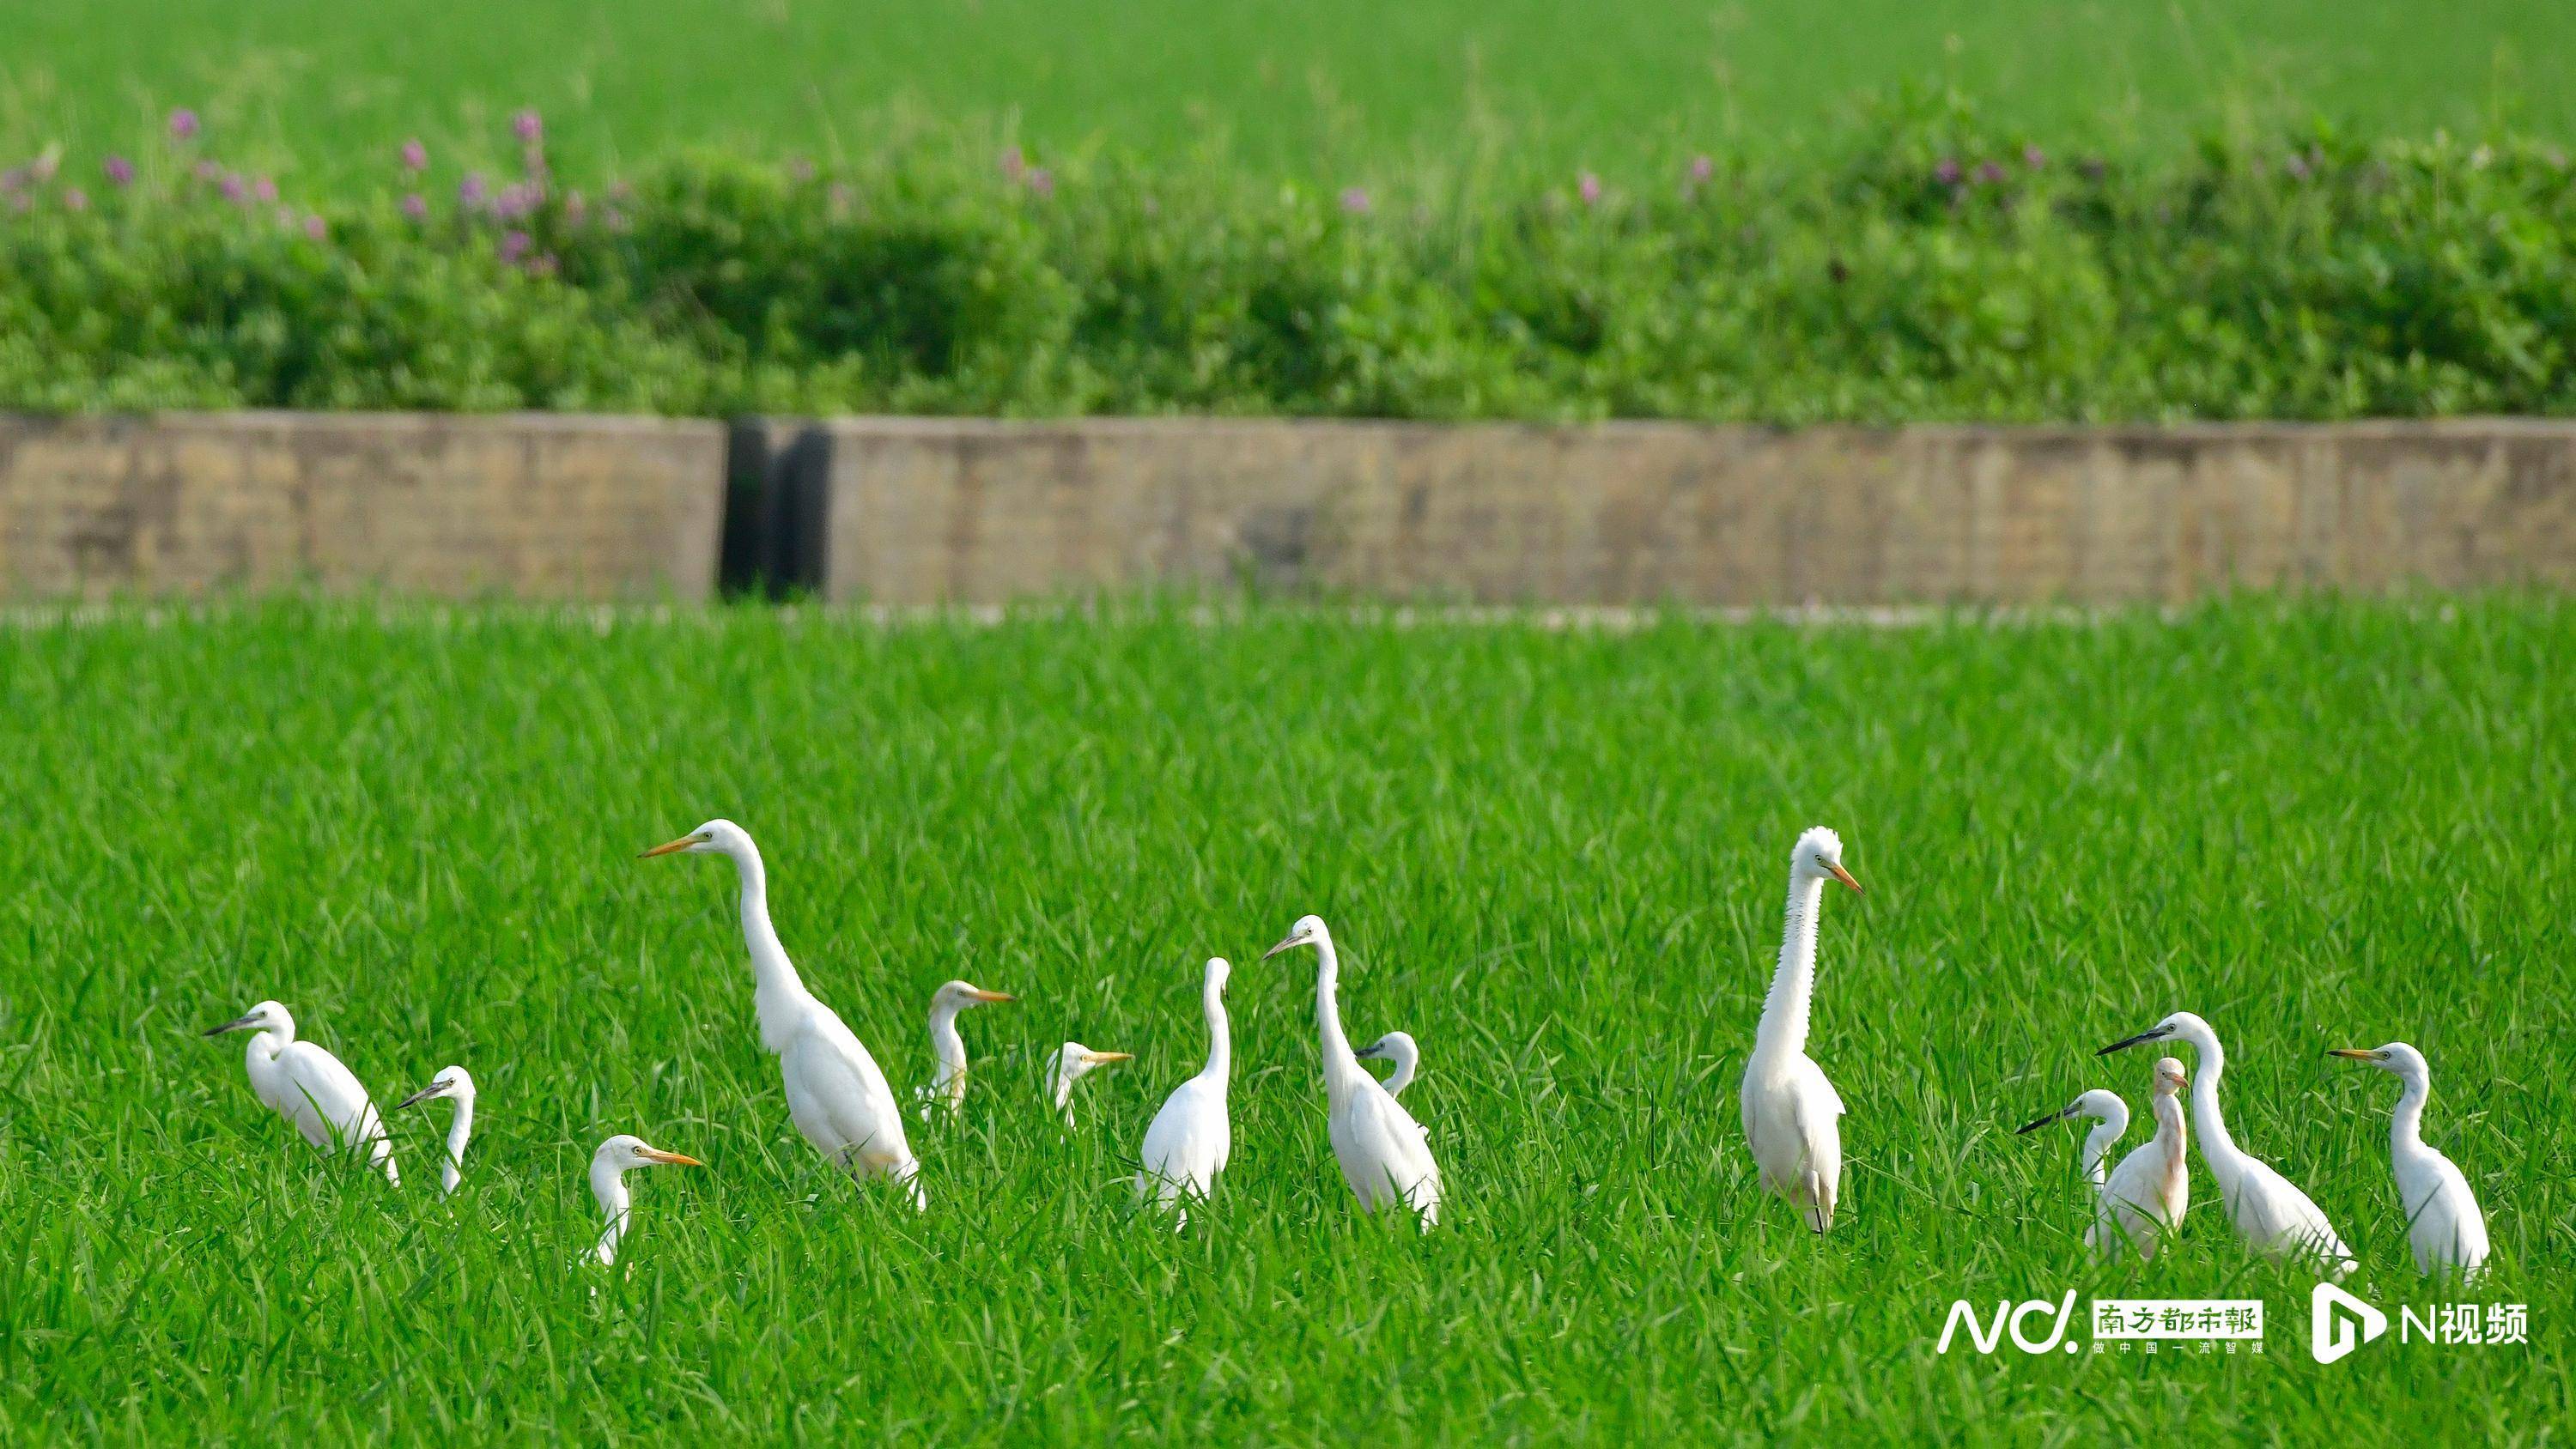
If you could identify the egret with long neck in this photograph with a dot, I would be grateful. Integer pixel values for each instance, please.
(456, 1085)
(312, 1089)
(1400, 1048)
(2143, 1198)
(1191, 1138)
(1072, 1062)
(836, 1095)
(2444, 1224)
(1384, 1155)
(1792, 1115)
(2273, 1217)
(616, 1157)
(946, 1090)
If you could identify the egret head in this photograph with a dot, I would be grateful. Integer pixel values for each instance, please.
(625, 1151)
(1074, 1061)
(1819, 853)
(1394, 1044)
(1307, 931)
(267, 1016)
(716, 837)
(2181, 1025)
(2170, 1077)
(450, 1082)
(958, 995)
(2098, 1104)
(2397, 1058)
(1217, 972)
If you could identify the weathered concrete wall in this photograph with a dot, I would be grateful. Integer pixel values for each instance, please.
(942, 510)
(530, 506)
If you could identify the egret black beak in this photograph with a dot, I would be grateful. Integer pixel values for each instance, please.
(423, 1095)
(2353, 1054)
(683, 843)
(667, 1159)
(238, 1023)
(1373, 1049)
(2154, 1033)
(1844, 876)
(2060, 1115)
(1292, 941)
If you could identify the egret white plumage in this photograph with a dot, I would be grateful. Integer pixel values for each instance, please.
(1397, 1047)
(2145, 1197)
(1189, 1140)
(616, 1157)
(1072, 1062)
(2273, 1217)
(1385, 1156)
(456, 1085)
(2444, 1224)
(1792, 1115)
(946, 1089)
(836, 1095)
(310, 1088)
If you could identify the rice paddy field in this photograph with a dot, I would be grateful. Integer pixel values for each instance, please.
(1343, 90)
(1555, 855)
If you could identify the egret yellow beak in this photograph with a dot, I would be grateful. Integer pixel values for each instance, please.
(671, 1159)
(982, 995)
(2353, 1053)
(1844, 876)
(1103, 1058)
(683, 843)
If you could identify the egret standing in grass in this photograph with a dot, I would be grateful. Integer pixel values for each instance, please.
(1385, 1156)
(1397, 1047)
(947, 1088)
(2273, 1217)
(2146, 1196)
(1792, 1115)
(1189, 1140)
(835, 1094)
(2443, 1222)
(310, 1088)
(1072, 1062)
(616, 1157)
(455, 1084)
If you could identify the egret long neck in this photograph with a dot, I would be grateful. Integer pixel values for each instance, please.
(609, 1186)
(776, 988)
(2098, 1142)
(1405, 1061)
(2170, 1133)
(2216, 1147)
(1340, 1067)
(949, 1048)
(459, 1128)
(2406, 1125)
(1793, 984)
(1220, 1058)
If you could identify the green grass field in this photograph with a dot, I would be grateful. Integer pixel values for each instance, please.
(1343, 89)
(1556, 857)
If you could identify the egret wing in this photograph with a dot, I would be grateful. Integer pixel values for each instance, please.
(328, 1103)
(838, 1096)
(1187, 1144)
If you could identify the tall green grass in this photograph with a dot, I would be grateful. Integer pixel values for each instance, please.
(1556, 857)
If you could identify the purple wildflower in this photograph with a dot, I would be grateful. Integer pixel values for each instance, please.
(1701, 169)
(1014, 164)
(528, 126)
(575, 209)
(234, 188)
(1588, 186)
(415, 156)
(514, 245)
(1989, 174)
(75, 199)
(183, 124)
(516, 200)
(415, 206)
(209, 171)
(471, 191)
(316, 228)
(1355, 200)
(1948, 172)
(541, 265)
(265, 189)
(2033, 157)
(2297, 166)
(13, 178)
(120, 171)
(1041, 181)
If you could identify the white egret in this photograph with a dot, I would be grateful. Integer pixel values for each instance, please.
(2145, 1197)
(947, 1088)
(1072, 1062)
(2443, 1223)
(835, 1094)
(2273, 1217)
(1385, 1156)
(1791, 1113)
(457, 1085)
(1189, 1140)
(310, 1088)
(1399, 1048)
(615, 1158)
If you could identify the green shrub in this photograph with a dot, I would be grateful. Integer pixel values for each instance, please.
(1929, 270)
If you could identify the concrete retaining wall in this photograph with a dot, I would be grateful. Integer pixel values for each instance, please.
(923, 511)
(536, 506)
(938, 510)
